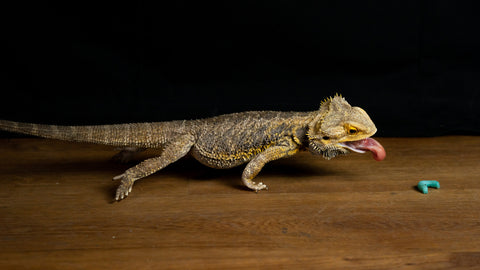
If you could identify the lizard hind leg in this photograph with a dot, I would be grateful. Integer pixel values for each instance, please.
(174, 150)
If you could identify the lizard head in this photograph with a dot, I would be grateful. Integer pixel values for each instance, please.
(339, 128)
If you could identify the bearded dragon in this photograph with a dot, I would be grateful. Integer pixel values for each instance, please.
(226, 141)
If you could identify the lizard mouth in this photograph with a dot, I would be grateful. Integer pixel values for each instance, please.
(368, 144)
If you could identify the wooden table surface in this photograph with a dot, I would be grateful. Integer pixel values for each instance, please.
(56, 211)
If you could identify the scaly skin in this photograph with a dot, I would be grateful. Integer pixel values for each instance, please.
(224, 141)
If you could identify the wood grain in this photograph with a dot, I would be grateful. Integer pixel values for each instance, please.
(56, 211)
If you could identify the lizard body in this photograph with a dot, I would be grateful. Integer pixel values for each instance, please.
(226, 141)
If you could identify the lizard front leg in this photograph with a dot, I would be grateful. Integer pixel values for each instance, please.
(173, 150)
(283, 149)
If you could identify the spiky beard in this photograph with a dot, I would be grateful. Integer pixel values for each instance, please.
(327, 151)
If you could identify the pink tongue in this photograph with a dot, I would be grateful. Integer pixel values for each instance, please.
(371, 145)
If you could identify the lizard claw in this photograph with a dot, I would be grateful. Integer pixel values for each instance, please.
(125, 187)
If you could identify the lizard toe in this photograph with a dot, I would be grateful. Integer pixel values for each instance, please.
(121, 194)
(258, 186)
(261, 186)
(124, 188)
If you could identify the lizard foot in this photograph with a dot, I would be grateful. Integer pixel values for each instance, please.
(256, 186)
(125, 187)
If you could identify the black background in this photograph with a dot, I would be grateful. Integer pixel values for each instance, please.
(412, 65)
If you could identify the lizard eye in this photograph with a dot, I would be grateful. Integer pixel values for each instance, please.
(351, 130)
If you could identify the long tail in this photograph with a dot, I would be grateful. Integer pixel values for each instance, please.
(148, 135)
